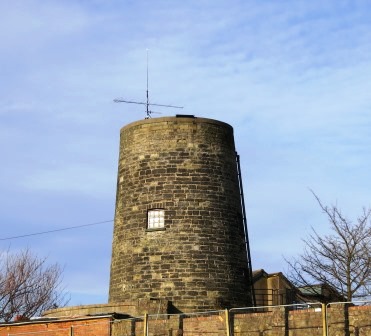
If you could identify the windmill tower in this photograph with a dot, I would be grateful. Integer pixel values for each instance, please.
(179, 230)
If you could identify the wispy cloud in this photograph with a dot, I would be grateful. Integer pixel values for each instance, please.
(291, 77)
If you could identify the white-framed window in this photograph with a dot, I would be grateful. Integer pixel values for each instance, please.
(155, 218)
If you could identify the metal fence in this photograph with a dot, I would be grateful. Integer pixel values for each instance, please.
(304, 319)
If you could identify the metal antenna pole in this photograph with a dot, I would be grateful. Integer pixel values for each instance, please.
(147, 109)
(147, 103)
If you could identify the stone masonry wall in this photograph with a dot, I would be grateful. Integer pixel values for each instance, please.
(186, 166)
(278, 322)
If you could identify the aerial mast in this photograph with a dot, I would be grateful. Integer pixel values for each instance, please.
(147, 103)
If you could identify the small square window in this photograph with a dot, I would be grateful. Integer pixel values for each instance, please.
(156, 218)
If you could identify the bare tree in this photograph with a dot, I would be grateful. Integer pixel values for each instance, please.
(28, 285)
(341, 260)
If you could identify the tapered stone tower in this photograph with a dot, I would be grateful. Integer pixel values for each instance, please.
(178, 232)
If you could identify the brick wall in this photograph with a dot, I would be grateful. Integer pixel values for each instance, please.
(76, 327)
(277, 322)
(342, 320)
(345, 319)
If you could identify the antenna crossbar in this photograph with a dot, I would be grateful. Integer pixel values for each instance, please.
(142, 103)
(128, 101)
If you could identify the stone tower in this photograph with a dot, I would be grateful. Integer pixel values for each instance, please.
(178, 232)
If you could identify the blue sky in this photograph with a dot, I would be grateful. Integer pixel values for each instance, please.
(291, 77)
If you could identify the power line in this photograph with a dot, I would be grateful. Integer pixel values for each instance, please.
(56, 230)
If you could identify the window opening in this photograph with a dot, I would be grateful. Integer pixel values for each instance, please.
(156, 218)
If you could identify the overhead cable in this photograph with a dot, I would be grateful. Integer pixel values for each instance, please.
(56, 230)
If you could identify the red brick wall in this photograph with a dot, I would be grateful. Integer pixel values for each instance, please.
(85, 327)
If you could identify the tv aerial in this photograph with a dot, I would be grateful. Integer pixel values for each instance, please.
(146, 103)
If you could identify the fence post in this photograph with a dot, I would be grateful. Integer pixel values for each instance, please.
(227, 325)
(324, 319)
(145, 325)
